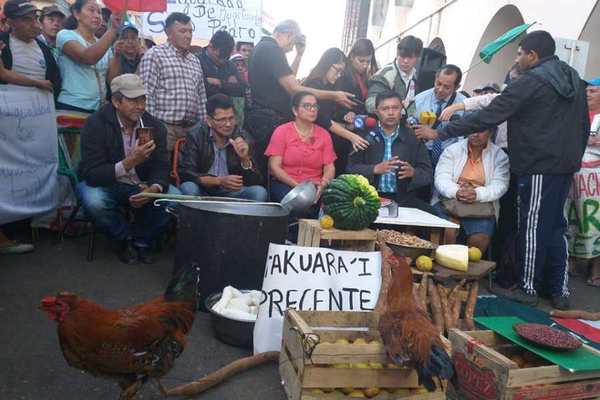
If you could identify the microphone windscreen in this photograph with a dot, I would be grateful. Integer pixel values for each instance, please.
(370, 122)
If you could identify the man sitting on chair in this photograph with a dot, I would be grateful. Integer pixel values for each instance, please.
(116, 166)
(395, 162)
(216, 159)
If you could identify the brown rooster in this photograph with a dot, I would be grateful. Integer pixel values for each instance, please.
(407, 332)
(129, 345)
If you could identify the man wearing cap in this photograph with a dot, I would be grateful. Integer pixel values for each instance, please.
(273, 82)
(115, 167)
(128, 52)
(26, 60)
(51, 20)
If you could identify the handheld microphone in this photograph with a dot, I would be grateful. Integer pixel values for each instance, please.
(364, 121)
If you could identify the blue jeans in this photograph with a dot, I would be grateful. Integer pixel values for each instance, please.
(103, 204)
(255, 192)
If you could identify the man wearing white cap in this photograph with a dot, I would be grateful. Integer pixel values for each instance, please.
(118, 162)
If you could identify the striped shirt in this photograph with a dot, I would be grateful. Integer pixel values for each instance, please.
(387, 182)
(175, 85)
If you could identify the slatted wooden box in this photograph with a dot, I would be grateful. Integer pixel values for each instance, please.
(310, 233)
(313, 367)
(485, 371)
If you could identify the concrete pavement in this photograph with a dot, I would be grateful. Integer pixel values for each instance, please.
(32, 366)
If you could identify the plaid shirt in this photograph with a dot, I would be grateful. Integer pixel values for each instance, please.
(387, 182)
(175, 85)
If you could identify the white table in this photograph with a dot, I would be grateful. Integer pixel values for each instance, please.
(413, 217)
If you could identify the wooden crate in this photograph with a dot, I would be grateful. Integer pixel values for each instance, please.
(311, 234)
(311, 360)
(485, 371)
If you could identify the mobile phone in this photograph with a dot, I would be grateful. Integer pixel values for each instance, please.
(357, 100)
(144, 135)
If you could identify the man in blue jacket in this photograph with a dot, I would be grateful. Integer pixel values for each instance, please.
(548, 128)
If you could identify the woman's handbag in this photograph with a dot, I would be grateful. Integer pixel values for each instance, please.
(461, 209)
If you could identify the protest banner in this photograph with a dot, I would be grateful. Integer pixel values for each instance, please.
(28, 150)
(582, 208)
(313, 278)
(241, 18)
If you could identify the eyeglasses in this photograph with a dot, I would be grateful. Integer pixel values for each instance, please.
(390, 108)
(310, 106)
(224, 121)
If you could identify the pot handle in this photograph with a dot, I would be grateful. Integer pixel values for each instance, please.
(168, 199)
(172, 211)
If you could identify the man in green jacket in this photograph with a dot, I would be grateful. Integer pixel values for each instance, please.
(400, 76)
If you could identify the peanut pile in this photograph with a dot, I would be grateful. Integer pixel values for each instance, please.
(405, 239)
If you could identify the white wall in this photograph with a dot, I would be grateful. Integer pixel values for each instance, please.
(463, 25)
(591, 34)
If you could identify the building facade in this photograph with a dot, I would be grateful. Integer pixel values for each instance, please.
(462, 27)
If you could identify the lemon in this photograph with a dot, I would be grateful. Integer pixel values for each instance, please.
(371, 392)
(424, 263)
(360, 341)
(474, 254)
(342, 341)
(326, 222)
(360, 365)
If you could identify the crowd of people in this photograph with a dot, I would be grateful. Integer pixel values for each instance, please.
(233, 120)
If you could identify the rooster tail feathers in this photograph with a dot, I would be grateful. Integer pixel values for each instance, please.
(439, 365)
(183, 285)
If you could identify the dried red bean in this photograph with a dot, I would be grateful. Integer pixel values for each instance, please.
(547, 336)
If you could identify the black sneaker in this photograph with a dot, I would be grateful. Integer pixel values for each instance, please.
(560, 303)
(145, 255)
(518, 295)
(127, 253)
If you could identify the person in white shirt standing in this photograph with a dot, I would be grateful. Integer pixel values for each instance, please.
(26, 61)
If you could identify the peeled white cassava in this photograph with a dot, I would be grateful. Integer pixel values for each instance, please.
(453, 256)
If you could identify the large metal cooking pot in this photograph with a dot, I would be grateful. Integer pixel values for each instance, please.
(228, 239)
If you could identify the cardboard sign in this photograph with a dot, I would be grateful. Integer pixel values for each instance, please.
(313, 278)
(241, 18)
(29, 153)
